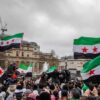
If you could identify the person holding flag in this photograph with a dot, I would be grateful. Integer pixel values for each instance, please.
(91, 75)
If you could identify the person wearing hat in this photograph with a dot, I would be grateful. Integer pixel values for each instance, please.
(11, 90)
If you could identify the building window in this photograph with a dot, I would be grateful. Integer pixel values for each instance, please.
(27, 55)
(22, 54)
(8, 54)
(27, 62)
(17, 53)
(22, 62)
(27, 46)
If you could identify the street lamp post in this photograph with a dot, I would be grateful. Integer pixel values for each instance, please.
(66, 66)
(65, 63)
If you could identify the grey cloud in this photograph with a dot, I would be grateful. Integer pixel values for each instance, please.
(53, 24)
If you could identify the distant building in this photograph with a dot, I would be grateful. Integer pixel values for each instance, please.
(76, 63)
(70, 62)
(49, 58)
(62, 64)
(28, 53)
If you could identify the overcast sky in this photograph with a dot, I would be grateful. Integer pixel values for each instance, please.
(53, 24)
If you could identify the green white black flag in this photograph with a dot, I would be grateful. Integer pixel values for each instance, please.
(86, 47)
(12, 41)
(91, 70)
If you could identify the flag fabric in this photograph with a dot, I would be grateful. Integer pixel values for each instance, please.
(45, 67)
(84, 87)
(30, 68)
(22, 68)
(86, 47)
(91, 70)
(51, 69)
(1, 71)
(85, 90)
(12, 41)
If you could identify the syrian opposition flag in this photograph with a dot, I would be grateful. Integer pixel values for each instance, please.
(84, 87)
(22, 68)
(91, 71)
(45, 67)
(12, 41)
(51, 69)
(26, 69)
(30, 70)
(30, 67)
(1, 71)
(86, 47)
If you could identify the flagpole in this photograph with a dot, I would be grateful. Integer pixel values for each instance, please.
(33, 70)
(3, 30)
(66, 63)
(19, 51)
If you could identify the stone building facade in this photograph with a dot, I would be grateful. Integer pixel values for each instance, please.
(28, 53)
(74, 65)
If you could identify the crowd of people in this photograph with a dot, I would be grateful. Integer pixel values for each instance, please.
(47, 87)
(30, 89)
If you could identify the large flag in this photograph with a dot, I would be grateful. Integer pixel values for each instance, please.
(45, 68)
(22, 68)
(51, 69)
(91, 70)
(12, 41)
(86, 47)
(30, 68)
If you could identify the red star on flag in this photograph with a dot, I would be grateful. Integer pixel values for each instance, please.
(7, 42)
(84, 49)
(13, 40)
(95, 49)
(1, 43)
(91, 72)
